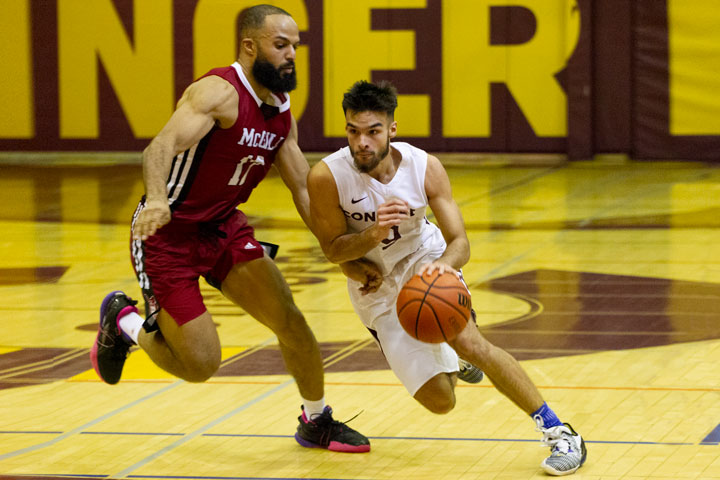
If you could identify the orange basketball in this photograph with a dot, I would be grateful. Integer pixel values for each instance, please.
(434, 308)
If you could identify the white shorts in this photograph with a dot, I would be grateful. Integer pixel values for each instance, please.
(413, 362)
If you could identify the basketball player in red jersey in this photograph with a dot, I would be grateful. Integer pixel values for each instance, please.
(229, 127)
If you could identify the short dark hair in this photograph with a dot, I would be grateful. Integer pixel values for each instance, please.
(364, 96)
(253, 18)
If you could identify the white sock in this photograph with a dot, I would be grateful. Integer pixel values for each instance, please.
(131, 324)
(313, 408)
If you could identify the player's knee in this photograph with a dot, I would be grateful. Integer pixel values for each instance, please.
(440, 404)
(202, 367)
(292, 327)
(438, 394)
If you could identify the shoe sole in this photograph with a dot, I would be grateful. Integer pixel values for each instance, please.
(94, 349)
(334, 446)
(557, 473)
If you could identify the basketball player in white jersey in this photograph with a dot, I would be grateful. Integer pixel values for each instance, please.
(368, 206)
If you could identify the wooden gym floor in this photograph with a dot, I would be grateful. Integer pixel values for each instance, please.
(602, 278)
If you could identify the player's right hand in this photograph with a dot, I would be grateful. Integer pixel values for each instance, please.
(152, 217)
(393, 212)
(389, 214)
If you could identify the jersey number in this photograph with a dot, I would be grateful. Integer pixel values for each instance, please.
(239, 177)
(388, 242)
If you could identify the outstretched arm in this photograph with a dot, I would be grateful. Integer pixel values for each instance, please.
(204, 103)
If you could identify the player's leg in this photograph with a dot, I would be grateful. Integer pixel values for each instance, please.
(428, 371)
(260, 289)
(503, 370)
(189, 348)
(438, 393)
(190, 351)
(183, 339)
(568, 450)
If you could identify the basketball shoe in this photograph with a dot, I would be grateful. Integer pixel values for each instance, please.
(325, 432)
(567, 448)
(468, 372)
(110, 349)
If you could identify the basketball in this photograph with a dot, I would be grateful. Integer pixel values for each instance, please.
(434, 308)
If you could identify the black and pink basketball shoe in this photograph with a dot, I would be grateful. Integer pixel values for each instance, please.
(325, 432)
(110, 349)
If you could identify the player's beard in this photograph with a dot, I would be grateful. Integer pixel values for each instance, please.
(372, 161)
(271, 77)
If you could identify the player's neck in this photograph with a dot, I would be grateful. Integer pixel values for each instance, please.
(386, 169)
(261, 91)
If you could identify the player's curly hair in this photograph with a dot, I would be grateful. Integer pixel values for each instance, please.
(364, 96)
(253, 18)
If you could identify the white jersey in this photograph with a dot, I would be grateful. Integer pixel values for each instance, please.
(397, 256)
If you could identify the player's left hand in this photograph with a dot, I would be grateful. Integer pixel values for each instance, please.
(364, 271)
(441, 268)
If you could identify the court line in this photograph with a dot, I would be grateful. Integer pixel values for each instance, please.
(709, 440)
(348, 351)
(159, 434)
(33, 476)
(43, 364)
(525, 440)
(245, 353)
(713, 437)
(195, 477)
(639, 333)
(459, 439)
(201, 431)
(79, 429)
(124, 473)
(35, 432)
(397, 384)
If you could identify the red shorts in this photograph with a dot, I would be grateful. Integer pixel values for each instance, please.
(169, 264)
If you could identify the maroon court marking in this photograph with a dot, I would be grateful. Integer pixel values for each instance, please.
(578, 313)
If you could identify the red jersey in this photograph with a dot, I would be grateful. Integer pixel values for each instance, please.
(208, 181)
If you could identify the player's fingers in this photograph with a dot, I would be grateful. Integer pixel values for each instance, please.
(400, 208)
(427, 269)
(144, 229)
(139, 230)
(152, 228)
(397, 202)
(393, 217)
(367, 288)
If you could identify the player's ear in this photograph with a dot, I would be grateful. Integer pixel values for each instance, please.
(248, 46)
(393, 129)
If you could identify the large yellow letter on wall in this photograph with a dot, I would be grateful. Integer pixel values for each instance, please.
(352, 50)
(215, 40)
(140, 71)
(16, 101)
(470, 64)
(694, 31)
